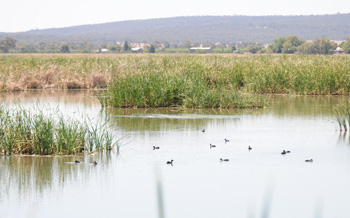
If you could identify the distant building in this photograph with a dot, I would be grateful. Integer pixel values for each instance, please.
(136, 50)
(102, 50)
(338, 51)
(201, 50)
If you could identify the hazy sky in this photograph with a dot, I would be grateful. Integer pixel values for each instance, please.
(22, 15)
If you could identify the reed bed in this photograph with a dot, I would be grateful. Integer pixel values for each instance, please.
(184, 89)
(25, 132)
(272, 74)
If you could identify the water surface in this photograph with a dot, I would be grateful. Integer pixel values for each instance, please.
(253, 183)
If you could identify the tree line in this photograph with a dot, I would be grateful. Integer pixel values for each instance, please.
(282, 45)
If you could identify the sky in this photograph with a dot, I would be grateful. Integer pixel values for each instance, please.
(23, 15)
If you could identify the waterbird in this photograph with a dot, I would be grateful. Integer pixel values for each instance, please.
(170, 162)
(287, 151)
(212, 146)
(226, 140)
(203, 130)
(154, 147)
(224, 159)
(94, 163)
(284, 152)
(249, 148)
(76, 161)
(310, 161)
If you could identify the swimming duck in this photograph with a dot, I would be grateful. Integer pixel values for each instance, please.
(224, 159)
(76, 161)
(287, 151)
(226, 140)
(154, 147)
(309, 160)
(170, 162)
(203, 130)
(284, 152)
(94, 163)
(212, 146)
(249, 148)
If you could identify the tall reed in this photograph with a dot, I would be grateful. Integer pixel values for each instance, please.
(342, 114)
(192, 88)
(25, 132)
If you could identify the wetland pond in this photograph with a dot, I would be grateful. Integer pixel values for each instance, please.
(130, 183)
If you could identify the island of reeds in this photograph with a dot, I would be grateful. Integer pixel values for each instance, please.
(24, 132)
(195, 81)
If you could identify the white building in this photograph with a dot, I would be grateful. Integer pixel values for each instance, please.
(201, 50)
(338, 50)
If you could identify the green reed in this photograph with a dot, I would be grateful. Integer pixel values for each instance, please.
(25, 132)
(342, 114)
(191, 89)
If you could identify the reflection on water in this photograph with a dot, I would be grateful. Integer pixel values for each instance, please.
(304, 105)
(251, 184)
(41, 174)
(185, 119)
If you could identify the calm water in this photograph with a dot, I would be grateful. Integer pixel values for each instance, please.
(256, 183)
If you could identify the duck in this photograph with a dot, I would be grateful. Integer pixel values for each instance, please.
(226, 140)
(170, 162)
(224, 159)
(249, 148)
(154, 147)
(212, 146)
(287, 151)
(94, 163)
(310, 161)
(284, 152)
(76, 161)
(203, 130)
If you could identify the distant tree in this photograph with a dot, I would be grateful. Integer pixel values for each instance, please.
(7, 44)
(346, 45)
(113, 48)
(126, 46)
(253, 49)
(318, 46)
(210, 44)
(65, 49)
(285, 45)
(104, 45)
(156, 44)
(187, 44)
(152, 49)
(166, 44)
(233, 48)
(119, 47)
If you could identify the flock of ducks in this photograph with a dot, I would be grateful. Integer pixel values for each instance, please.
(221, 159)
(211, 146)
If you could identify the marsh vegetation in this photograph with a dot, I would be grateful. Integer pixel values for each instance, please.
(179, 80)
(23, 131)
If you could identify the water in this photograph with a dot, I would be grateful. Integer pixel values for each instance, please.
(256, 183)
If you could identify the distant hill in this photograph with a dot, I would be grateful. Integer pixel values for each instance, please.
(198, 29)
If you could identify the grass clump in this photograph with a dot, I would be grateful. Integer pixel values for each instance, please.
(24, 132)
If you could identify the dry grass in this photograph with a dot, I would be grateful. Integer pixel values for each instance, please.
(25, 72)
(275, 74)
(98, 80)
